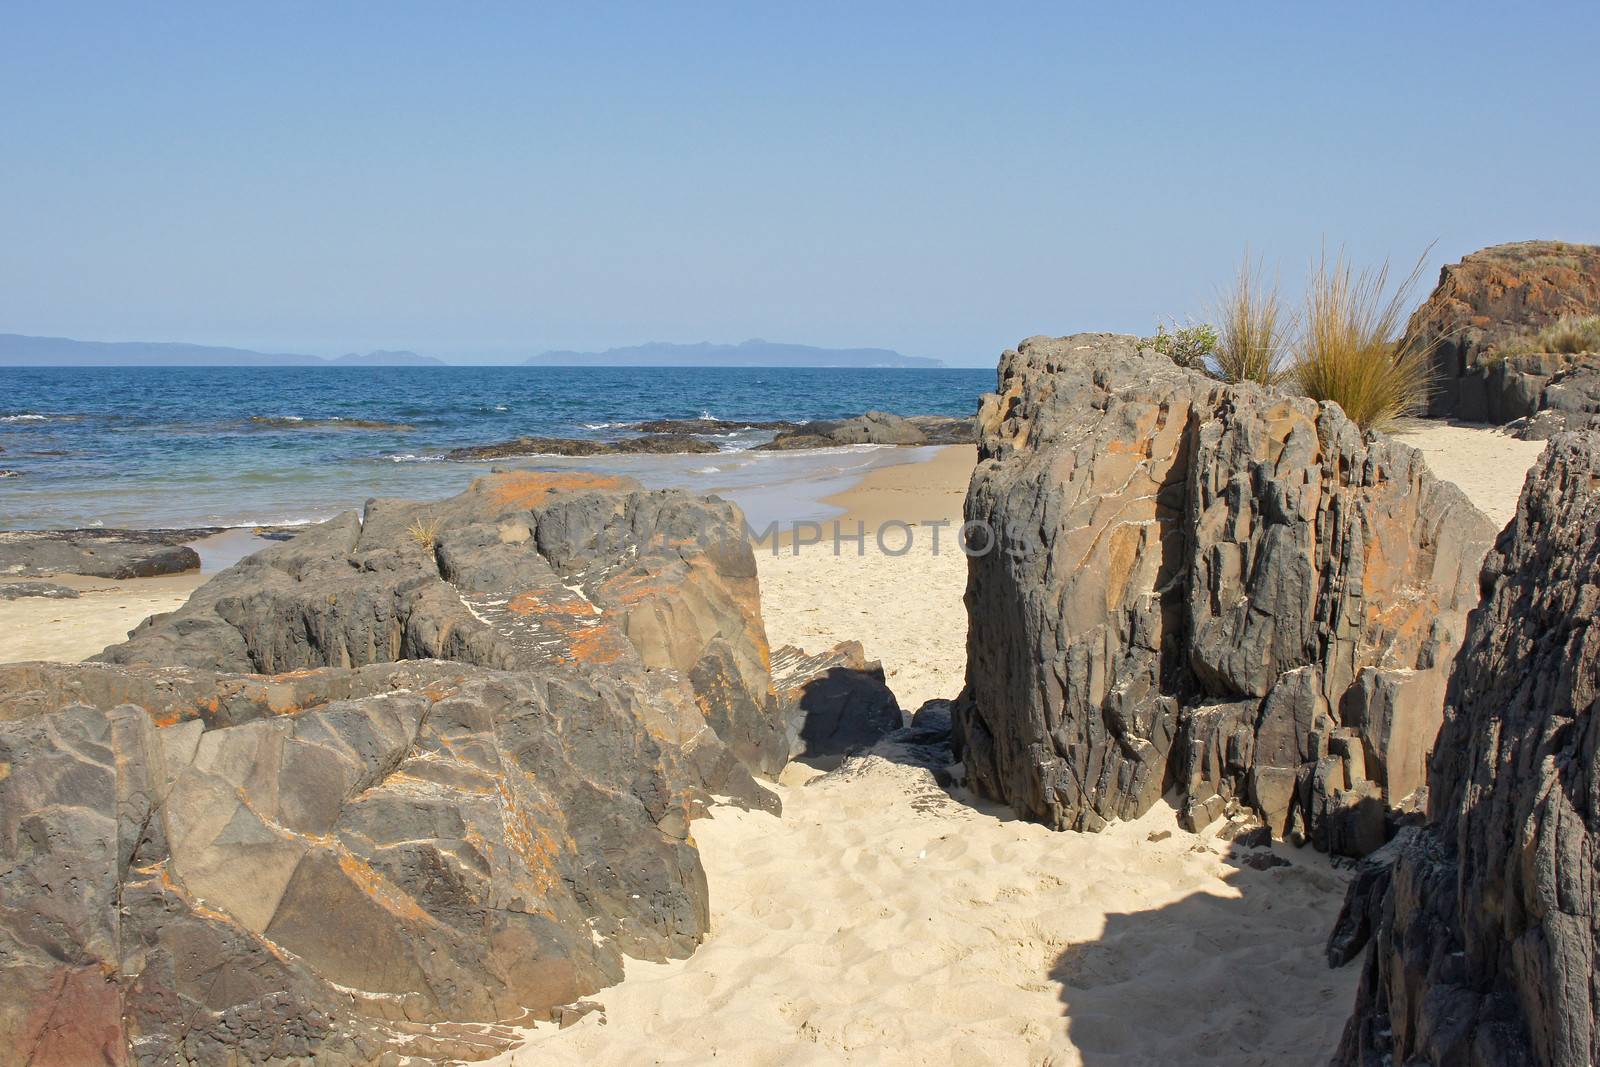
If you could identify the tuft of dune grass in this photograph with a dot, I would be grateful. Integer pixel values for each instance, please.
(1254, 331)
(1350, 348)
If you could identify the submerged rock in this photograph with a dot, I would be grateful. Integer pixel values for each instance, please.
(1480, 928)
(375, 791)
(661, 444)
(1219, 588)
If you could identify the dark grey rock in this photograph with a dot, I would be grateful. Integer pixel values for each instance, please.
(1480, 927)
(666, 443)
(103, 553)
(835, 702)
(382, 789)
(48, 590)
(704, 426)
(873, 428)
(1194, 584)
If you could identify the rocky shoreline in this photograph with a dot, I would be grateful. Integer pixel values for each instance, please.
(690, 437)
(480, 731)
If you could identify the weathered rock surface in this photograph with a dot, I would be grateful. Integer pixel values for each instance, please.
(374, 791)
(1219, 588)
(1492, 296)
(659, 444)
(834, 702)
(114, 554)
(1480, 928)
(47, 590)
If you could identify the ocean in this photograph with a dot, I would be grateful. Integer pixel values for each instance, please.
(160, 447)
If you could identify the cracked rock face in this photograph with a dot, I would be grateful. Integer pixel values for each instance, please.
(1217, 588)
(1480, 927)
(382, 789)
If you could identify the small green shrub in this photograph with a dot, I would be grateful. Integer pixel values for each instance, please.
(1254, 330)
(1349, 352)
(1187, 346)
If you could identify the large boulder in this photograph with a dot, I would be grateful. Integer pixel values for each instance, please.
(371, 792)
(1481, 927)
(1494, 296)
(1215, 587)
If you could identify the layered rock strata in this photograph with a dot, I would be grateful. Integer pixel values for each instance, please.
(1480, 928)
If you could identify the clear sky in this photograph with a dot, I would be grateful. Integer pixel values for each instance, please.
(487, 180)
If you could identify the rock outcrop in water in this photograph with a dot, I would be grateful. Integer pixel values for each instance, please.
(875, 428)
(1481, 927)
(1498, 295)
(1219, 588)
(371, 792)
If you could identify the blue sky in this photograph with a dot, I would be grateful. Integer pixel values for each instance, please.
(492, 180)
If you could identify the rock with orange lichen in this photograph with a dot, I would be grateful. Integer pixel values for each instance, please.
(1219, 588)
(387, 789)
(1478, 323)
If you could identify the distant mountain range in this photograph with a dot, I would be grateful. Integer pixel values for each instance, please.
(19, 351)
(753, 353)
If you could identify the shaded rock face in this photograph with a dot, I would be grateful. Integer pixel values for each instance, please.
(1481, 927)
(1213, 587)
(834, 702)
(423, 768)
(1496, 294)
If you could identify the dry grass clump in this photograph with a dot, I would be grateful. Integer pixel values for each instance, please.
(1570, 335)
(1350, 352)
(425, 532)
(1254, 331)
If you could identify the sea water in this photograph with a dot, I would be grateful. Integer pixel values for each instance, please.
(147, 447)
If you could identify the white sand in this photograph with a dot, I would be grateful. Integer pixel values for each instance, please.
(1486, 462)
(880, 920)
(70, 630)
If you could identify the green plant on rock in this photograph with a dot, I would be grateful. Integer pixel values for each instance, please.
(1350, 349)
(1255, 331)
(1187, 346)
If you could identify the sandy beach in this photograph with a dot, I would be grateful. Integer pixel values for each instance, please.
(884, 919)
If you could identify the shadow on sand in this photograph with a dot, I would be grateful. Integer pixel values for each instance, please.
(1213, 979)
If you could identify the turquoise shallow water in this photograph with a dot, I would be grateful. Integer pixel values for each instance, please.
(158, 446)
